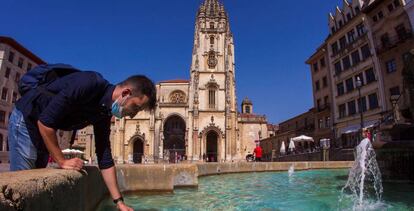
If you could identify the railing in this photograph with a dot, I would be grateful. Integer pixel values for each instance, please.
(323, 107)
(349, 46)
(393, 41)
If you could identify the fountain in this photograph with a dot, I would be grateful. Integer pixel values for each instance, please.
(291, 170)
(364, 178)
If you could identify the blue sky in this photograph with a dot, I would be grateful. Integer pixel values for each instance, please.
(273, 39)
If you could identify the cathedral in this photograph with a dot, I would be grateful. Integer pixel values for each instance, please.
(196, 119)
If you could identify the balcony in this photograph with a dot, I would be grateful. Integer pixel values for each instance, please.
(323, 107)
(392, 42)
(349, 46)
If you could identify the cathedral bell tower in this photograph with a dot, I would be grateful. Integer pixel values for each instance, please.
(212, 91)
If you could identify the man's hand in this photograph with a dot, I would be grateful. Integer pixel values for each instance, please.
(74, 163)
(123, 207)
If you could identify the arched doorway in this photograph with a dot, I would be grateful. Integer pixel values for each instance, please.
(174, 138)
(138, 151)
(212, 146)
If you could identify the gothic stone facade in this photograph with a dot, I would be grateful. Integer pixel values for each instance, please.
(197, 118)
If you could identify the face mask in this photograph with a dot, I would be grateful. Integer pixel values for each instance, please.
(117, 107)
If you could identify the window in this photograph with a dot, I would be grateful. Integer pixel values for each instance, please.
(334, 47)
(212, 40)
(347, 62)
(395, 91)
(320, 123)
(391, 66)
(356, 59)
(17, 79)
(342, 42)
(362, 104)
(29, 67)
(14, 99)
(401, 32)
(341, 23)
(342, 110)
(366, 52)
(360, 29)
(351, 108)
(211, 98)
(380, 15)
(325, 100)
(373, 101)
(351, 35)
(317, 86)
(385, 40)
(396, 3)
(349, 85)
(4, 93)
(11, 56)
(357, 10)
(315, 66)
(390, 7)
(338, 67)
(348, 16)
(327, 122)
(7, 73)
(2, 116)
(340, 88)
(318, 104)
(370, 75)
(323, 64)
(211, 25)
(248, 110)
(20, 62)
(325, 81)
(360, 78)
(374, 18)
(333, 29)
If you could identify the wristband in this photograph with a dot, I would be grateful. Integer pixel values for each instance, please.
(118, 199)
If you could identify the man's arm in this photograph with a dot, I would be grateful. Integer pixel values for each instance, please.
(50, 140)
(109, 176)
(105, 161)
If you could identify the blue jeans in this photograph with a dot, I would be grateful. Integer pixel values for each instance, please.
(23, 154)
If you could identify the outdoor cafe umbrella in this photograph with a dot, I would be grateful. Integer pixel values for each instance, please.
(291, 145)
(302, 138)
(283, 148)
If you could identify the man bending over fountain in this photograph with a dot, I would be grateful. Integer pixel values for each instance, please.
(61, 97)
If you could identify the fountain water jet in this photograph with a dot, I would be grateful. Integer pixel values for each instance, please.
(363, 176)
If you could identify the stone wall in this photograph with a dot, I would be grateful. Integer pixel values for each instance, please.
(315, 156)
(51, 189)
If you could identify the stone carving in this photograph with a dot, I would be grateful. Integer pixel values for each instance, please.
(177, 97)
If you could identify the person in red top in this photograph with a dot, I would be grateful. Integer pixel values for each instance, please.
(258, 153)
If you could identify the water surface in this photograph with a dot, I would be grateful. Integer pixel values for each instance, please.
(304, 190)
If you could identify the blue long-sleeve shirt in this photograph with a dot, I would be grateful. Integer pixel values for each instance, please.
(80, 99)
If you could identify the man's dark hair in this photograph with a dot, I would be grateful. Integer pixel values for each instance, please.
(141, 85)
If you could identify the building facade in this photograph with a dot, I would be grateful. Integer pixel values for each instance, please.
(195, 119)
(15, 61)
(303, 124)
(365, 52)
(353, 59)
(322, 95)
(393, 40)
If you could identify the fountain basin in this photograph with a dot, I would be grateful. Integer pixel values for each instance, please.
(396, 160)
(302, 190)
(53, 189)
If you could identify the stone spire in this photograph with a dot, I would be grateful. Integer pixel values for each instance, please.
(212, 8)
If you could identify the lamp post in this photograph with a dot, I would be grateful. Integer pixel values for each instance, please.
(359, 85)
